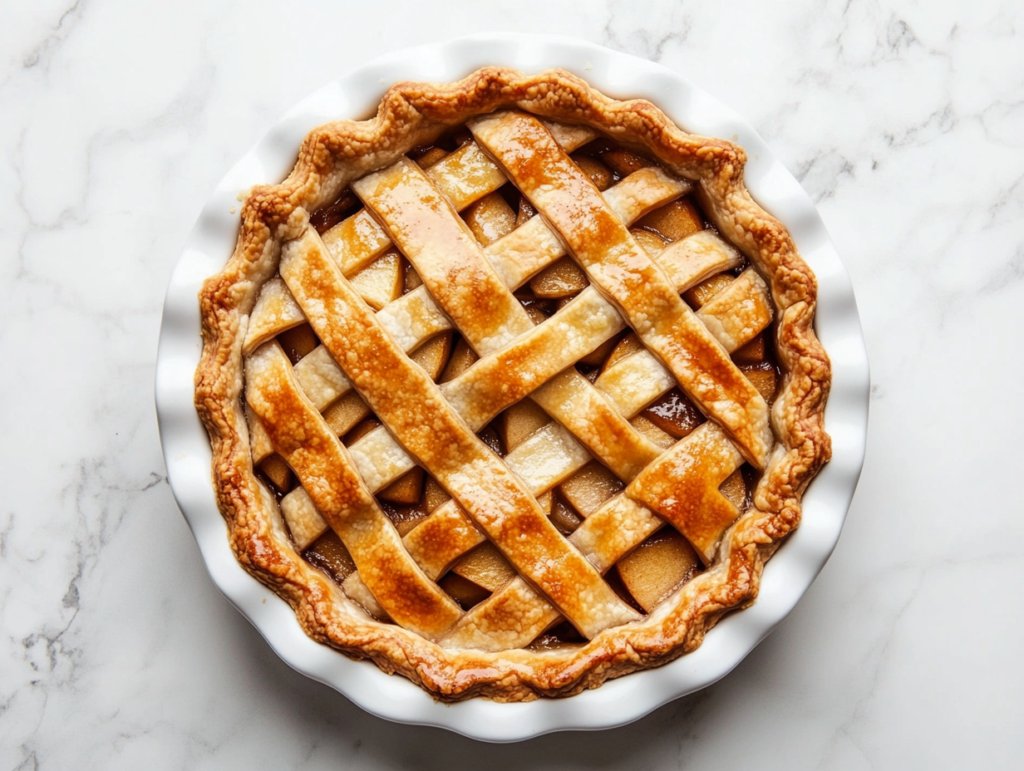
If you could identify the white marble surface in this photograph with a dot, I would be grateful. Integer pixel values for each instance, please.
(904, 122)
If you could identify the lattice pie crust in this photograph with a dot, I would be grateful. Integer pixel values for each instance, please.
(314, 331)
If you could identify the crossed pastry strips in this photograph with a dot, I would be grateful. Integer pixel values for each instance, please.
(433, 425)
(368, 361)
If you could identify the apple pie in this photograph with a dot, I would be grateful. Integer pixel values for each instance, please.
(512, 388)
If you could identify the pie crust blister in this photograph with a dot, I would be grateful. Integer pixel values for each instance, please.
(348, 425)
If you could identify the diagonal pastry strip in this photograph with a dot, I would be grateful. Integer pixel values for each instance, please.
(544, 460)
(298, 432)
(682, 485)
(624, 272)
(446, 255)
(534, 245)
(412, 407)
(275, 312)
(732, 316)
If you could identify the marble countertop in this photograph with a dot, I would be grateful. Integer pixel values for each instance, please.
(906, 126)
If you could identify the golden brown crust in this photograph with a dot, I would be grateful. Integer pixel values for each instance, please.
(410, 114)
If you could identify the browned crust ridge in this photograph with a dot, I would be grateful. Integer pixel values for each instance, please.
(410, 114)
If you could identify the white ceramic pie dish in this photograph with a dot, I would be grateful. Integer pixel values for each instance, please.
(788, 575)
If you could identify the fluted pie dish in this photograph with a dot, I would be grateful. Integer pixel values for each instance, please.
(511, 388)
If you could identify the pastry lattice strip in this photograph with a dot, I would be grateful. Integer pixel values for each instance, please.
(538, 220)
